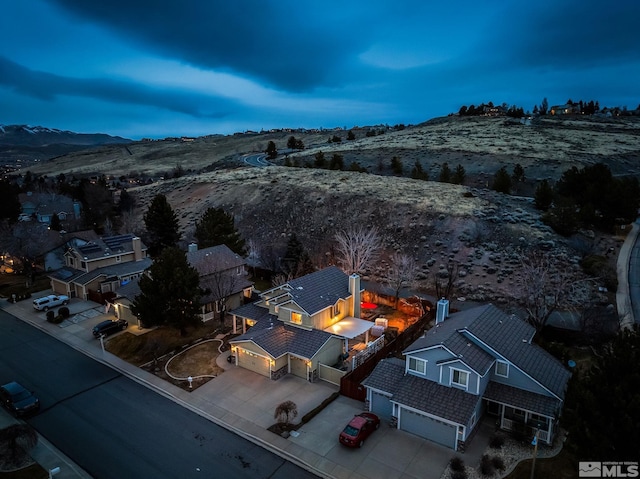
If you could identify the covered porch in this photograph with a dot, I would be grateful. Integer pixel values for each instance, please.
(359, 340)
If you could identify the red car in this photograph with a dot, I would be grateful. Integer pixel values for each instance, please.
(358, 429)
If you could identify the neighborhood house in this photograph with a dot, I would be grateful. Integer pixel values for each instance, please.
(474, 362)
(95, 268)
(301, 327)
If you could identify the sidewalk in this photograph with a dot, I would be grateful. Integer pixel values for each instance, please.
(243, 402)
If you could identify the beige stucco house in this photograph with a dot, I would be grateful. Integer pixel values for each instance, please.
(301, 326)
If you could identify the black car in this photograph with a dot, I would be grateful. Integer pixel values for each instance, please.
(18, 400)
(105, 328)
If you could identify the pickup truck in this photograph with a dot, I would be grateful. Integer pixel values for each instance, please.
(51, 301)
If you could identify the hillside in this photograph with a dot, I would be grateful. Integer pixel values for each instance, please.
(486, 233)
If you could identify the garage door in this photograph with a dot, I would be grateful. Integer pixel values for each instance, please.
(298, 367)
(432, 429)
(253, 362)
(381, 405)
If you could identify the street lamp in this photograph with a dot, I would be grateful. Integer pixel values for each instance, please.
(534, 443)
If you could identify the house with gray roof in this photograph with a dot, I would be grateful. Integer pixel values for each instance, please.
(474, 362)
(100, 266)
(300, 327)
(223, 276)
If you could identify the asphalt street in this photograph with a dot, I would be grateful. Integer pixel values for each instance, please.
(114, 427)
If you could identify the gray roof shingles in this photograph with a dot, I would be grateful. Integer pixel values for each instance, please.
(317, 291)
(514, 397)
(214, 259)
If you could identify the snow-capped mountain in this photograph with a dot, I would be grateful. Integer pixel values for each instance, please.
(38, 136)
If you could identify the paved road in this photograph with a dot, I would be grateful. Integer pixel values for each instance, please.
(256, 159)
(113, 427)
(634, 280)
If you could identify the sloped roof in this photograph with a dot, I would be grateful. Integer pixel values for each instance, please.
(386, 376)
(214, 259)
(252, 311)
(319, 290)
(129, 290)
(224, 285)
(107, 245)
(514, 397)
(70, 275)
(279, 339)
(469, 333)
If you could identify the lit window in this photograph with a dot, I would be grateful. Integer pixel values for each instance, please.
(296, 318)
(335, 310)
(460, 378)
(418, 365)
(502, 369)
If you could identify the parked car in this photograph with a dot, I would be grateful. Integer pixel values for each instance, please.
(105, 328)
(51, 301)
(358, 429)
(18, 400)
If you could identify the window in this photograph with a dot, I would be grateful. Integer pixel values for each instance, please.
(418, 365)
(83, 265)
(118, 258)
(296, 318)
(502, 369)
(335, 310)
(460, 378)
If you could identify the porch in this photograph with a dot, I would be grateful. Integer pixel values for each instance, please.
(521, 422)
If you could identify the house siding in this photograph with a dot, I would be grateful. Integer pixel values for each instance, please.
(432, 356)
(447, 375)
(329, 353)
(518, 380)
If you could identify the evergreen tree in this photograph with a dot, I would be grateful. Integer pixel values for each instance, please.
(127, 202)
(396, 165)
(445, 174)
(161, 224)
(543, 196)
(271, 150)
(613, 380)
(337, 162)
(296, 261)
(217, 227)
(319, 160)
(544, 106)
(518, 173)
(170, 294)
(418, 173)
(55, 224)
(502, 181)
(350, 135)
(9, 204)
(459, 175)
(291, 142)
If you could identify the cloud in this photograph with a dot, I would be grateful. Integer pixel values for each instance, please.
(47, 86)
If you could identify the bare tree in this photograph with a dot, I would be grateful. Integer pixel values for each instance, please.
(17, 440)
(356, 247)
(401, 273)
(286, 411)
(444, 280)
(220, 283)
(25, 241)
(546, 287)
(129, 223)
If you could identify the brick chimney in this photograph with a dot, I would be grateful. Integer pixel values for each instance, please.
(354, 289)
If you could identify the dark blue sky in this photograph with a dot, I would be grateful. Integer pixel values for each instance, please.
(160, 68)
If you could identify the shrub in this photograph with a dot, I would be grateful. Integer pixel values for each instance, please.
(456, 464)
(50, 316)
(498, 463)
(311, 414)
(496, 442)
(459, 475)
(486, 466)
(64, 312)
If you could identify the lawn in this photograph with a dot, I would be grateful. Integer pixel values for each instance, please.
(143, 348)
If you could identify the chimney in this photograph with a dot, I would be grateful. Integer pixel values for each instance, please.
(442, 311)
(354, 289)
(193, 247)
(137, 248)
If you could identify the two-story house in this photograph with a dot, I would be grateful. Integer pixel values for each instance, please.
(223, 276)
(474, 362)
(43, 206)
(297, 327)
(100, 266)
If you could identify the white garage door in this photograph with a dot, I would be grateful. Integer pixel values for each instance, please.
(381, 405)
(298, 367)
(253, 362)
(429, 428)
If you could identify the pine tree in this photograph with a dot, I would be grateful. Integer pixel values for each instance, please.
(543, 197)
(445, 174)
(459, 175)
(418, 173)
(161, 223)
(502, 181)
(271, 150)
(217, 227)
(170, 294)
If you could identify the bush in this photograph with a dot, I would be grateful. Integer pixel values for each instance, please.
(311, 414)
(456, 464)
(63, 312)
(459, 475)
(496, 442)
(50, 316)
(486, 466)
(498, 463)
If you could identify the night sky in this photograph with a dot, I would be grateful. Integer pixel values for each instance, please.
(155, 68)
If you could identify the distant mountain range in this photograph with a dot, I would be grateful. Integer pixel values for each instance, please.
(21, 145)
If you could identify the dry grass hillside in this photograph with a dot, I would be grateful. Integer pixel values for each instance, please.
(485, 232)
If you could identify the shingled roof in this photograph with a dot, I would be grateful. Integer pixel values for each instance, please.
(317, 291)
(279, 339)
(214, 259)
